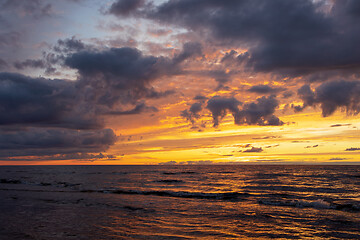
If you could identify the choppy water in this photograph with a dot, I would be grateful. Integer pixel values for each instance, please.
(180, 202)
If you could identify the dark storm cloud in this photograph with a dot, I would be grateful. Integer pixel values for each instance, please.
(307, 96)
(151, 93)
(287, 94)
(332, 95)
(128, 67)
(190, 49)
(261, 112)
(229, 57)
(107, 78)
(70, 45)
(219, 106)
(48, 141)
(125, 74)
(193, 112)
(264, 89)
(118, 74)
(39, 116)
(125, 7)
(42, 102)
(292, 37)
(47, 63)
(55, 111)
(196, 108)
(335, 94)
(140, 108)
(233, 57)
(200, 98)
(55, 57)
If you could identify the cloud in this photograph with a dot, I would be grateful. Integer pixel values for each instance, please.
(63, 115)
(314, 146)
(332, 95)
(80, 156)
(254, 149)
(117, 74)
(341, 125)
(125, 7)
(140, 108)
(50, 141)
(261, 112)
(168, 163)
(55, 57)
(32, 63)
(200, 162)
(70, 45)
(190, 49)
(272, 146)
(266, 137)
(293, 38)
(335, 94)
(125, 74)
(200, 98)
(287, 94)
(245, 145)
(264, 89)
(338, 159)
(307, 96)
(193, 112)
(39, 116)
(159, 32)
(219, 106)
(127, 65)
(30, 101)
(352, 149)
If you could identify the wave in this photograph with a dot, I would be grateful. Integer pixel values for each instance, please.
(298, 189)
(352, 206)
(181, 194)
(318, 204)
(348, 207)
(169, 181)
(10, 181)
(175, 173)
(57, 184)
(321, 204)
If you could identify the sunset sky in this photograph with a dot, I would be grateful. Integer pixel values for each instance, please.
(179, 82)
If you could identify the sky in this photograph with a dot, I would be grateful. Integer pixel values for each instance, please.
(179, 82)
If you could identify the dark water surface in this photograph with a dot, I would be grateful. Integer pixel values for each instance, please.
(179, 202)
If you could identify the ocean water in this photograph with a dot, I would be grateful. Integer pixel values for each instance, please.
(180, 202)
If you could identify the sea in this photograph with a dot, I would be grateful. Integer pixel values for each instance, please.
(180, 202)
